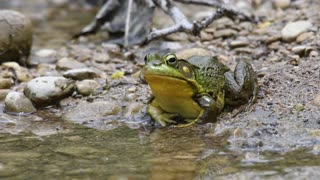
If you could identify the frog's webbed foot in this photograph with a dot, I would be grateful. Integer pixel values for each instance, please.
(192, 121)
(241, 86)
(160, 116)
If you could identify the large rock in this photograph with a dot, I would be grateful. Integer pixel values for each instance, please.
(15, 36)
(16, 102)
(294, 29)
(48, 90)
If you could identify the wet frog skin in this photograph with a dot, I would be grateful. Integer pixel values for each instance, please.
(195, 89)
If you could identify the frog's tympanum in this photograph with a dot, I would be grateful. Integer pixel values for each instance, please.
(195, 89)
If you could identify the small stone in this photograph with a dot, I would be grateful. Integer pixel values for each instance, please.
(180, 36)
(304, 36)
(299, 107)
(187, 53)
(132, 89)
(131, 97)
(48, 56)
(101, 57)
(111, 47)
(48, 90)
(302, 50)
(21, 72)
(225, 33)
(3, 93)
(244, 50)
(86, 87)
(5, 83)
(281, 3)
(238, 43)
(68, 63)
(316, 100)
(272, 39)
(205, 36)
(80, 74)
(293, 29)
(294, 60)
(314, 53)
(16, 102)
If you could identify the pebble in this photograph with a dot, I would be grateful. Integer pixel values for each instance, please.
(132, 89)
(68, 63)
(131, 97)
(272, 38)
(48, 90)
(225, 33)
(5, 83)
(15, 36)
(21, 72)
(17, 102)
(111, 47)
(86, 87)
(3, 93)
(187, 53)
(302, 50)
(80, 74)
(304, 36)
(239, 43)
(48, 56)
(205, 36)
(293, 29)
(101, 57)
(281, 3)
(316, 100)
(314, 53)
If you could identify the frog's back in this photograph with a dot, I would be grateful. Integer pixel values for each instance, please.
(209, 72)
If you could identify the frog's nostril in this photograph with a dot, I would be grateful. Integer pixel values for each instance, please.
(156, 62)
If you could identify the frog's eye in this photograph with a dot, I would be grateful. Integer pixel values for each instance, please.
(171, 60)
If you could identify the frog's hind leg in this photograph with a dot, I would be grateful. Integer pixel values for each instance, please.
(241, 86)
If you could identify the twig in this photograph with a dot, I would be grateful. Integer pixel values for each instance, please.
(127, 26)
(183, 25)
(201, 2)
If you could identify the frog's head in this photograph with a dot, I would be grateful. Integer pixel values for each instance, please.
(167, 75)
(168, 66)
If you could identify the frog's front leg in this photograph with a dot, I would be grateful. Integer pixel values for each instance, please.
(241, 86)
(212, 106)
(159, 115)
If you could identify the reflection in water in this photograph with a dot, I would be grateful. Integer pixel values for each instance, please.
(82, 152)
(169, 153)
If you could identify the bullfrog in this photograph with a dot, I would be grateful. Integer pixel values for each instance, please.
(195, 89)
